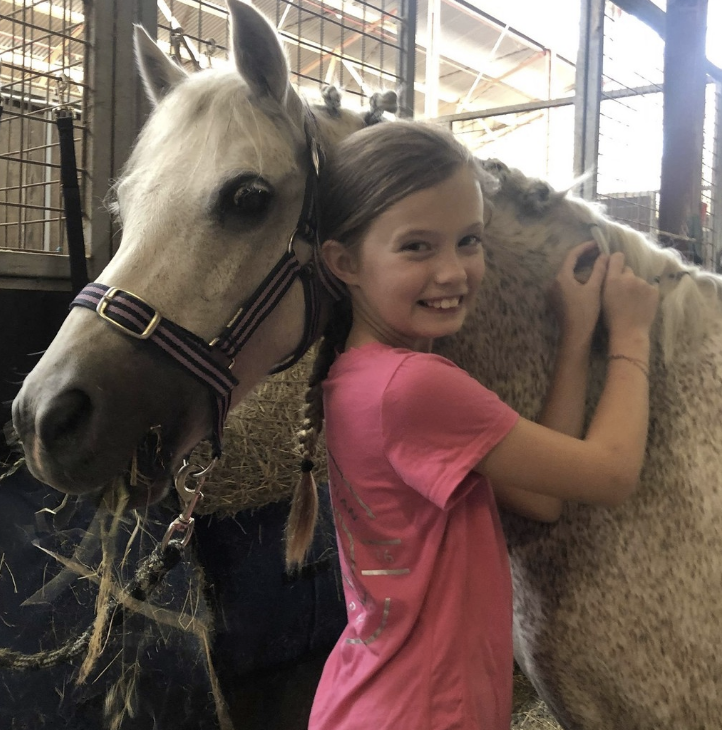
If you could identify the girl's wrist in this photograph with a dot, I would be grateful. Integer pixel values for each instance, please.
(631, 343)
(576, 339)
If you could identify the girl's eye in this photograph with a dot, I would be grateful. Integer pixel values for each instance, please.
(415, 246)
(472, 240)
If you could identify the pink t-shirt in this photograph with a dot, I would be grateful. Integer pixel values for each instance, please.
(425, 570)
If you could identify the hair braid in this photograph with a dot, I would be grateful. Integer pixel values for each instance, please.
(304, 506)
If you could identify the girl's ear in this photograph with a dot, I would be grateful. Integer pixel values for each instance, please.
(340, 261)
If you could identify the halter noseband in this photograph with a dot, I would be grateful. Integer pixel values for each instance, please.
(211, 363)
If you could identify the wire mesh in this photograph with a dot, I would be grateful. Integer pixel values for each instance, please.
(354, 45)
(540, 142)
(630, 127)
(43, 62)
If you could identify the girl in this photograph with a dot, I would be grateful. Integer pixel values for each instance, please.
(415, 444)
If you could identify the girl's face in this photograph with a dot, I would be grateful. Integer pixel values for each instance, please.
(416, 271)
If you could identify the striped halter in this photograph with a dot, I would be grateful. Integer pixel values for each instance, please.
(211, 362)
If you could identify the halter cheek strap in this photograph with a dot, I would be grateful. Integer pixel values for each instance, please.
(211, 362)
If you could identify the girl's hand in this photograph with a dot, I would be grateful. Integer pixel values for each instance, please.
(577, 305)
(628, 302)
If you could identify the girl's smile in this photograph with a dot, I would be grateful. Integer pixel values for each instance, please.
(414, 274)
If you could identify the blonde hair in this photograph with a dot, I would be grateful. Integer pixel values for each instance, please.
(366, 174)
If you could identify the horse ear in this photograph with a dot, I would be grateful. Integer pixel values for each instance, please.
(158, 72)
(257, 52)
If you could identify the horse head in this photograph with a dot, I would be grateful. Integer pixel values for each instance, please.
(208, 203)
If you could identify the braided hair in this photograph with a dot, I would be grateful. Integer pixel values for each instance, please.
(367, 173)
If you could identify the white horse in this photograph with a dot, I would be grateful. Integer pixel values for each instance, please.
(617, 612)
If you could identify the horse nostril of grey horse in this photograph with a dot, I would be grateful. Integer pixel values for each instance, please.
(65, 418)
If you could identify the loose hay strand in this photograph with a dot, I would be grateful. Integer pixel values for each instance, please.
(105, 590)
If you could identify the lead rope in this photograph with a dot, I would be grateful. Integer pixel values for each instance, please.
(150, 572)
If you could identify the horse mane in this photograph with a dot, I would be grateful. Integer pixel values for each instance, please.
(690, 297)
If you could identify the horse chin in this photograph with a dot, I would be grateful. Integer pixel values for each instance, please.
(144, 480)
(147, 477)
(123, 494)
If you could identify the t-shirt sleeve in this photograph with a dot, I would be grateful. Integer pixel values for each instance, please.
(437, 424)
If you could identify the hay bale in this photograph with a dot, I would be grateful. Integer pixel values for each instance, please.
(261, 461)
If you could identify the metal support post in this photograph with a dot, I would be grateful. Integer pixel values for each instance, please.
(433, 58)
(717, 178)
(685, 81)
(588, 94)
(406, 66)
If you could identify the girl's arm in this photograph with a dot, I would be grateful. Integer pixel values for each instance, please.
(604, 467)
(577, 307)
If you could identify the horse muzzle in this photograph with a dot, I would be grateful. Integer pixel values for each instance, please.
(89, 415)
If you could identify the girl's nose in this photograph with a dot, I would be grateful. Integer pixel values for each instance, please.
(450, 269)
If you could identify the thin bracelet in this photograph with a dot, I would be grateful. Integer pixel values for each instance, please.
(635, 361)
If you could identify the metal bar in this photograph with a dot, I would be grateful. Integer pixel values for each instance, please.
(32, 115)
(684, 110)
(31, 74)
(406, 61)
(46, 146)
(22, 161)
(589, 94)
(54, 33)
(329, 52)
(297, 39)
(100, 73)
(531, 106)
(34, 221)
(433, 58)
(717, 175)
(28, 206)
(29, 185)
(338, 51)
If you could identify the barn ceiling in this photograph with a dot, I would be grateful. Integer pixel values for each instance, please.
(485, 61)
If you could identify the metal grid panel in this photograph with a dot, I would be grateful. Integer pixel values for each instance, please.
(354, 45)
(43, 62)
(538, 142)
(630, 126)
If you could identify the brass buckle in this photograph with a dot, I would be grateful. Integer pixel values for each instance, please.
(103, 305)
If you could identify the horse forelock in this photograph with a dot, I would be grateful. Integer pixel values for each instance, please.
(201, 121)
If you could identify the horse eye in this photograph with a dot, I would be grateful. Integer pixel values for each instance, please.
(251, 201)
(244, 200)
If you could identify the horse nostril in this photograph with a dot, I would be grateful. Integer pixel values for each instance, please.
(67, 415)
